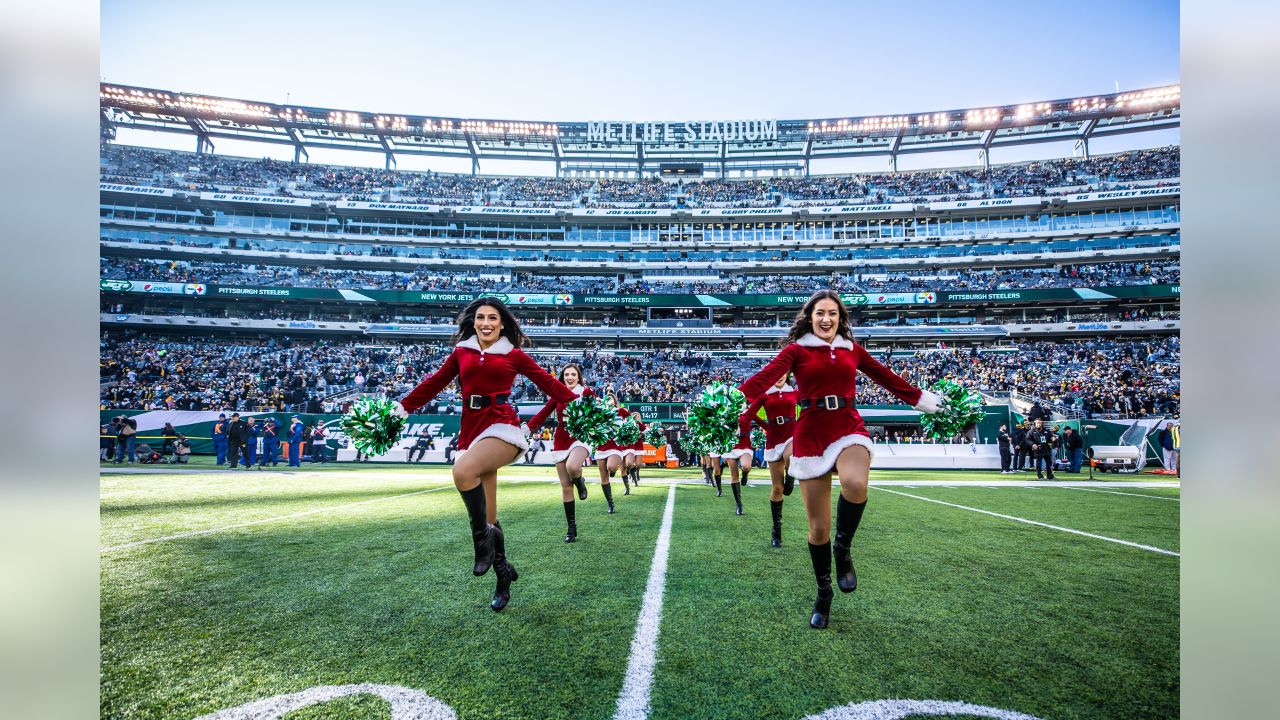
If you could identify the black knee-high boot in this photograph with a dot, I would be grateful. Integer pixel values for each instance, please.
(719, 489)
(505, 571)
(744, 476)
(848, 515)
(821, 557)
(737, 495)
(788, 483)
(571, 517)
(635, 476)
(482, 533)
(581, 484)
(775, 509)
(608, 496)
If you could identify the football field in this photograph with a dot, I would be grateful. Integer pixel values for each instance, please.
(346, 592)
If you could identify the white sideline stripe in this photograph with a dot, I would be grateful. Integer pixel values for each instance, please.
(633, 702)
(193, 533)
(1140, 546)
(1113, 492)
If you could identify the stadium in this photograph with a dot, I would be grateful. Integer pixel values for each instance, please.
(661, 258)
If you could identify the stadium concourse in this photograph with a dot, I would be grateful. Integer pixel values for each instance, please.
(276, 287)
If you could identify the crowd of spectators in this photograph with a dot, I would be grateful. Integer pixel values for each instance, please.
(1092, 275)
(423, 279)
(127, 164)
(549, 190)
(1098, 378)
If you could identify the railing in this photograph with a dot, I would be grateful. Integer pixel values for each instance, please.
(1023, 402)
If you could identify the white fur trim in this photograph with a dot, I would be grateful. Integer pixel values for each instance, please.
(714, 455)
(578, 389)
(775, 453)
(558, 456)
(804, 468)
(786, 387)
(737, 453)
(501, 346)
(604, 454)
(929, 402)
(509, 434)
(632, 451)
(811, 340)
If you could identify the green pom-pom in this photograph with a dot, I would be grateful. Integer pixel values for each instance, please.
(590, 420)
(691, 445)
(713, 417)
(758, 438)
(627, 431)
(372, 425)
(656, 435)
(962, 409)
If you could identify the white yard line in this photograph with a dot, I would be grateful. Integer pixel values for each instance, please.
(1139, 484)
(1148, 548)
(1113, 492)
(194, 533)
(633, 702)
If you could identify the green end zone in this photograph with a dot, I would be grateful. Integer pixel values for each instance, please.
(362, 575)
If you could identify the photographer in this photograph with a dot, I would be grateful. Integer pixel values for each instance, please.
(181, 450)
(126, 430)
(169, 434)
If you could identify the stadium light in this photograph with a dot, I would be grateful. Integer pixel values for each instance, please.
(984, 116)
(1155, 97)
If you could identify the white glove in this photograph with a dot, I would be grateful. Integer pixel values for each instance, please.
(400, 412)
(524, 428)
(929, 403)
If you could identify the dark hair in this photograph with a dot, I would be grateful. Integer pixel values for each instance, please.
(803, 323)
(582, 377)
(510, 326)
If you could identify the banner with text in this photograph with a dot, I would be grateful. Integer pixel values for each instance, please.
(928, 297)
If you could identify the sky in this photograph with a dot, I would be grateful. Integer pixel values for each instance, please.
(659, 60)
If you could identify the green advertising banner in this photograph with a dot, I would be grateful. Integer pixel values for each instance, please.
(198, 425)
(928, 297)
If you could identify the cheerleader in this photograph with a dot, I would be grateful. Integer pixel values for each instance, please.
(486, 359)
(779, 406)
(610, 456)
(568, 453)
(829, 434)
(633, 456)
(740, 457)
(715, 470)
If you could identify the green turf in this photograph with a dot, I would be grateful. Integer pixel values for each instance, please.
(967, 608)
(953, 605)
(1123, 517)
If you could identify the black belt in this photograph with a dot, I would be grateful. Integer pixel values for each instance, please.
(826, 402)
(475, 402)
(783, 420)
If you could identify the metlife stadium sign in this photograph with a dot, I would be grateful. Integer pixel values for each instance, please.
(692, 131)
